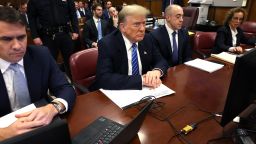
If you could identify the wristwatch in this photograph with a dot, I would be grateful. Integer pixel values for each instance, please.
(58, 107)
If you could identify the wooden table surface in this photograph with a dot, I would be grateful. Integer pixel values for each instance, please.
(196, 92)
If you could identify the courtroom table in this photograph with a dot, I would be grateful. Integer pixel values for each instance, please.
(196, 92)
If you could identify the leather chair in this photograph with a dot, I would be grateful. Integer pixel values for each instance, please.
(83, 69)
(249, 28)
(203, 43)
(190, 17)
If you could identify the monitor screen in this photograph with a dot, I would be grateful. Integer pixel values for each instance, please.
(242, 88)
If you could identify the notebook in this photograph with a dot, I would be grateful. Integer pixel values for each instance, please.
(106, 131)
(55, 133)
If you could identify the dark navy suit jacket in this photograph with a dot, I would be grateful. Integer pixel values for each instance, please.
(90, 32)
(162, 41)
(42, 74)
(167, 3)
(112, 66)
(223, 39)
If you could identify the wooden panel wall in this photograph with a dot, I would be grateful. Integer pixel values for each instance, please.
(218, 13)
(155, 6)
(215, 13)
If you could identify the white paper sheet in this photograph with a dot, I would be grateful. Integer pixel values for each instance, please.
(123, 98)
(204, 65)
(10, 118)
(228, 57)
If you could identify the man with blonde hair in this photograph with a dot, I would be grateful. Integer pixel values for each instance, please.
(127, 57)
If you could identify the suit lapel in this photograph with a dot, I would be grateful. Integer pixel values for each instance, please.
(5, 106)
(180, 45)
(33, 74)
(167, 39)
(123, 52)
(94, 27)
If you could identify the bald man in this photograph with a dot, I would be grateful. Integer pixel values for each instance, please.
(171, 39)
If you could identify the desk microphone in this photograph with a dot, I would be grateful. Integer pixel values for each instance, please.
(242, 137)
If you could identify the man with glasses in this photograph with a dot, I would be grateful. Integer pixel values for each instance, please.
(127, 57)
(230, 36)
(171, 39)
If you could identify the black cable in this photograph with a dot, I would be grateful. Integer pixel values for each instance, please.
(178, 134)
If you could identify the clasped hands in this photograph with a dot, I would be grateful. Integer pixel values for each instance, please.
(29, 120)
(152, 79)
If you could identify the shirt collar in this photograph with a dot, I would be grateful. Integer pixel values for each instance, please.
(169, 30)
(233, 31)
(128, 43)
(5, 64)
(95, 19)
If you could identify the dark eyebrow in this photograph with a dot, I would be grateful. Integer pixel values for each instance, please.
(9, 38)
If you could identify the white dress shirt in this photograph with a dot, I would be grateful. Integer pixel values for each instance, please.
(170, 31)
(128, 46)
(234, 39)
(8, 75)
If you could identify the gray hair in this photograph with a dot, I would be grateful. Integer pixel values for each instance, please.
(132, 10)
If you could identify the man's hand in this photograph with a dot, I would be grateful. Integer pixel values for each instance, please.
(28, 121)
(238, 49)
(40, 116)
(37, 41)
(74, 36)
(16, 128)
(95, 45)
(152, 79)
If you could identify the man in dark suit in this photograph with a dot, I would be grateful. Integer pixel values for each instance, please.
(27, 73)
(127, 57)
(106, 14)
(23, 13)
(91, 31)
(166, 3)
(178, 51)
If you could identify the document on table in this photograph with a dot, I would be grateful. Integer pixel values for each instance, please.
(124, 98)
(204, 65)
(10, 118)
(231, 58)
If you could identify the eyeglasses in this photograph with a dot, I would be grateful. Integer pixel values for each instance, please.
(237, 18)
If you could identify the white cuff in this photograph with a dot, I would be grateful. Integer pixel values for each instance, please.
(64, 102)
(231, 49)
(162, 73)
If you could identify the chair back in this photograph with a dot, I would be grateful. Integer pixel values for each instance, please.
(249, 28)
(190, 17)
(83, 67)
(204, 42)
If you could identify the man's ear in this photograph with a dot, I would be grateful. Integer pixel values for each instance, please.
(122, 27)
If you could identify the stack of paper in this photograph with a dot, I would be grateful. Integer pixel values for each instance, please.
(231, 58)
(204, 65)
(124, 98)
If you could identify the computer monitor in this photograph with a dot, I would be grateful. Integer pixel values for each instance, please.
(242, 88)
(55, 133)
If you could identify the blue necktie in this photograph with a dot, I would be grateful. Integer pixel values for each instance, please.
(175, 49)
(22, 97)
(99, 30)
(135, 64)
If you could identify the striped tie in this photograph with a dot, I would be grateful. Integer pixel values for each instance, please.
(135, 65)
